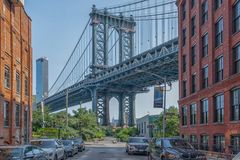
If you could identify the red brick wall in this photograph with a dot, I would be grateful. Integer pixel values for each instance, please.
(16, 52)
(230, 81)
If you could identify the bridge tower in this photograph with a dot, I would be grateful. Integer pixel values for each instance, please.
(102, 22)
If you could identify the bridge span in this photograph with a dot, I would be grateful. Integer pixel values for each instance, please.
(105, 62)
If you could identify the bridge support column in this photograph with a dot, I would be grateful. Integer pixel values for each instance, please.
(100, 106)
(94, 100)
(132, 112)
(121, 110)
(127, 110)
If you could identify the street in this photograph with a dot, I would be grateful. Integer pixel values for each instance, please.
(105, 150)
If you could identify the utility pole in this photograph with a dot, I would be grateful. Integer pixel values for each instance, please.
(164, 107)
(42, 110)
(67, 108)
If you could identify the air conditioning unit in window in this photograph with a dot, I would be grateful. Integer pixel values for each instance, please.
(18, 2)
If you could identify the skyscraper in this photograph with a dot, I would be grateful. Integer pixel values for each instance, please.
(42, 79)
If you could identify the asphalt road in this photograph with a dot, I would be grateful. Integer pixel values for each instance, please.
(106, 151)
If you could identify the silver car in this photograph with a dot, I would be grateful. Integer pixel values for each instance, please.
(70, 147)
(137, 145)
(53, 147)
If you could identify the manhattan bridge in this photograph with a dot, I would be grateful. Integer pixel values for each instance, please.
(122, 50)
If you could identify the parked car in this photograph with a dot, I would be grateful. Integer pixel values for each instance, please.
(80, 144)
(70, 147)
(172, 149)
(137, 145)
(53, 147)
(24, 152)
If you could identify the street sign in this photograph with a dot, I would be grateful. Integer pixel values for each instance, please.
(158, 97)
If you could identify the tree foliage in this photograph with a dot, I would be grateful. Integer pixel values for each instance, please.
(172, 122)
(124, 133)
(82, 123)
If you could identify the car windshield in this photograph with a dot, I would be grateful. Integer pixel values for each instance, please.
(44, 144)
(137, 140)
(176, 143)
(67, 143)
(10, 153)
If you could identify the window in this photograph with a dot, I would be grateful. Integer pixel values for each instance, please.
(184, 116)
(219, 69)
(236, 17)
(17, 115)
(184, 64)
(219, 108)
(193, 117)
(193, 25)
(193, 2)
(219, 32)
(184, 36)
(193, 140)
(193, 54)
(204, 142)
(235, 105)
(184, 10)
(184, 88)
(7, 77)
(219, 143)
(205, 77)
(235, 143)
(204, 11)
(218, 3)
(6, 113)
(205, 45)
(18, 83)
(204, 111)
(26, 86)
(236, 58)
(193, 83)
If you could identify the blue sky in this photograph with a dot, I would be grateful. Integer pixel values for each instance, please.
(56, 27)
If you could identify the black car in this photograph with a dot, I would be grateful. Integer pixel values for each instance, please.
(173, 149)
(24, 152)
(80, 144)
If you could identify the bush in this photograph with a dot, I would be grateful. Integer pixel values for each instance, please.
(124, 133)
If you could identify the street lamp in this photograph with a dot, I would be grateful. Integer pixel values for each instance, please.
(165, 95)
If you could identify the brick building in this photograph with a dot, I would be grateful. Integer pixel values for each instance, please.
(209, 73)
(15, 73)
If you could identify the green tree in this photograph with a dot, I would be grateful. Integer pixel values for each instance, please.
(124, 133)
(37, 121)
(172, 122)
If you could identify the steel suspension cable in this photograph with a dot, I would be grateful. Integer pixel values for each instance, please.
(70, 56)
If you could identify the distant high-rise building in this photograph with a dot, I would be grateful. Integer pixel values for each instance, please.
(42, 79)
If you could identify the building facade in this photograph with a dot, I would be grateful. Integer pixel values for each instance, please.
(209, 73)
(146, 125)
(15, 73)
(41, 79)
